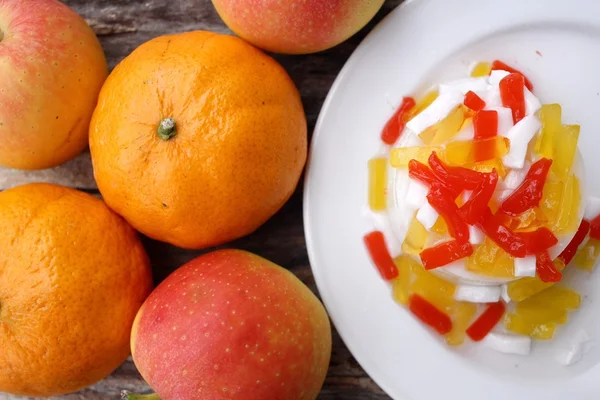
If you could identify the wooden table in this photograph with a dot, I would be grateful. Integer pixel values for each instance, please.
(122, 25)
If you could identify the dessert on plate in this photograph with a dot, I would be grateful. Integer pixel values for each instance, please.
(479, 203)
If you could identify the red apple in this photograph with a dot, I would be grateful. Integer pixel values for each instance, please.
(51, 68)
(232, 325)
(296, 26)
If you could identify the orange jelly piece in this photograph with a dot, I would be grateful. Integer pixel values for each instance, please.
(490, 260)
(472, 151)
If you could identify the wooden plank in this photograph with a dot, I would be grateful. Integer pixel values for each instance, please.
(122, 25)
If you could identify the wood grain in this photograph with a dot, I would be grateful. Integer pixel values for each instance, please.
(122, 25)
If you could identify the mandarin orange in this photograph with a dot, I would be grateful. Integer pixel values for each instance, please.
(73, 275)
(198, 138)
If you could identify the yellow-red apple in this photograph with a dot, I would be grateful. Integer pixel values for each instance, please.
(232, 325)
(296, 26)
(51, 68)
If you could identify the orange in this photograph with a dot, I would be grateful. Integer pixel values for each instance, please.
(198, 138)
(72, 276)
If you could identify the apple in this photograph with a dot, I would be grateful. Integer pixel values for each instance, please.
(296, 26)
(232, 325)
(51, 68)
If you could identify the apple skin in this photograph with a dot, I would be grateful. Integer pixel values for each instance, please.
(296, 26)
(51, 68)
(232, 325)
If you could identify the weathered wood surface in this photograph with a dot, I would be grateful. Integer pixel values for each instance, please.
(122, 25)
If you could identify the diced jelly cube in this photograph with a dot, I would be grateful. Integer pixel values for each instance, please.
(400, 285)
(551, 118)
(469, 152)
(490, 260)
(399, 157)
(415, 239)
(378, 184)
(519, 324)
(587, 256)
(462, 314)
(437, 291)
(481, 69)
(447, 128)
(423, 103)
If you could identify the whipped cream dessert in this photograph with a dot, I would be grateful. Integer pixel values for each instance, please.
(478, 202)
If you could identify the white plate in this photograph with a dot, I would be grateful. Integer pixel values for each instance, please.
(557, 44)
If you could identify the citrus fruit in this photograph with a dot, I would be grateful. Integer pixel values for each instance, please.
(72, 276)
(198, 138)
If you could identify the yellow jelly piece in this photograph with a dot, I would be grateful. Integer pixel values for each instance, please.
(524, 288)
(423, 103)
(587, 256)
(567, 220)
(488, 165)
(377, 184)
(551, 118)
(527, 221)
(481, 69)
(565, 145)
(436, 290)
(415, 239)
(462, 314)
(447, 128)
(554, 297)
(551, 198)
(401, 284)
(521, 325)
(440, 227)
(541, 315)
(463, 152)
(399, 157)
(490, 260)
(557, 141)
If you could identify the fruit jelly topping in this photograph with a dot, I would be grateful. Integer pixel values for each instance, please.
(482, 191)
